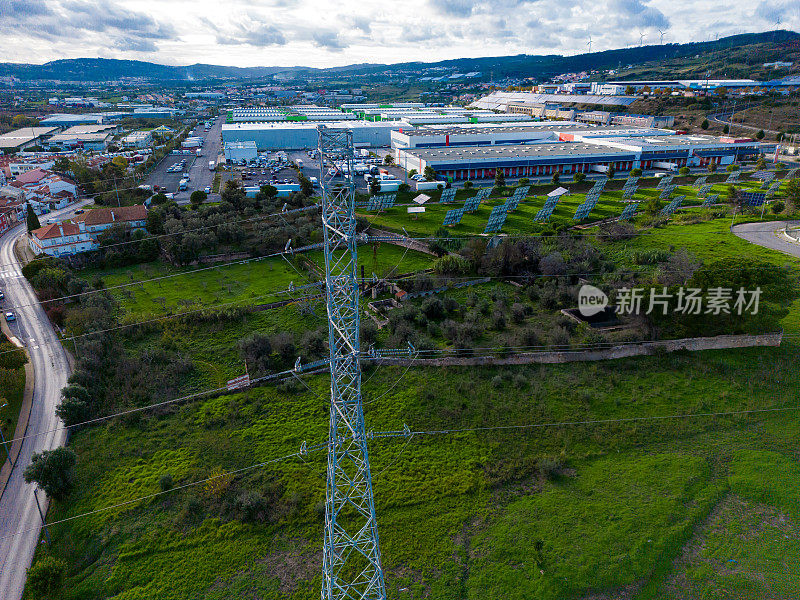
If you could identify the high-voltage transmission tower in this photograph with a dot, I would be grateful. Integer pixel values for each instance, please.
(351, 553)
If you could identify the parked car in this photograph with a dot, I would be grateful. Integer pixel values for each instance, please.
(10, 316)
(208, 189)
(80, 211)
(2, 296)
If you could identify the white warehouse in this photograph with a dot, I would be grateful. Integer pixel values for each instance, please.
(237, 151)
(303, 135)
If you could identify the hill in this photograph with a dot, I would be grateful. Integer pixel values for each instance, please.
(759, 47)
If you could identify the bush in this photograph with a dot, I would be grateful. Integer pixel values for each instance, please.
(433, 308)
(165, 482)
(403, 187)
(578, 177)
(468, 185)
(518, 312)
(451, 265)
(636, 172)
(684, 171)
(72, 411)
(777, 207)
(46, 577)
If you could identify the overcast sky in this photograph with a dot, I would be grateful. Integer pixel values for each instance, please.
(320, 33)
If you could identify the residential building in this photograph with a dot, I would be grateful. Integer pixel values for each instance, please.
(81, 234)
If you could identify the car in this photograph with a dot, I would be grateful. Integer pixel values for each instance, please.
(10, 316)
(2, 296)
(208, 189)
(80, 211)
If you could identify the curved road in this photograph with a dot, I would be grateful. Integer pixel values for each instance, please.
(18, 510)
(769, 235)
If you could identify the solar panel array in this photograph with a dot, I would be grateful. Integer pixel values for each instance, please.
(472, 204)
(710, 199)
(791, 174)
(762, 175)
(704, 190)
(666, 191)
(754, 198)
(733, 177)
(497, 219)
(453, 217)
(599, 186)
(448, 196)
(513, 202)
(665, 181)
(700, 181)
(547, 210)
(629, 189)
(767, 180)
(629, 211)
(381, 201)
(672, 206)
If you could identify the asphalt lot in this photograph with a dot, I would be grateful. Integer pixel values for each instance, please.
(197, 166)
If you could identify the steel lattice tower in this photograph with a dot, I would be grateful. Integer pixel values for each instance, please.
(351, 553)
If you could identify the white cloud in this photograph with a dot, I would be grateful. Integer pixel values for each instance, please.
(309, 32)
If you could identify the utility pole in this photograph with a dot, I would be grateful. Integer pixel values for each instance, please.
(3, 438)
(351, 554)
(41, 515)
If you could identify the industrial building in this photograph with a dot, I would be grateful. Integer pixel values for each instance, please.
(88, 137)
(303, 135)
(580, 152)
(501, 100)
(523, 133)
(238, 151)
(138, 139)
(14, 141)
(67, 120)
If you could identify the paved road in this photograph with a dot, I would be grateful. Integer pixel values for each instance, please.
(200, 176)
(17, 505)
(768, 235)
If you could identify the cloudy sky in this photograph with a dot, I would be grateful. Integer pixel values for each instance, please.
(320, 33)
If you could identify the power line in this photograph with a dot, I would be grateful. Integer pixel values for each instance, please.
(303, 451)
(312, 369)
(410, 432)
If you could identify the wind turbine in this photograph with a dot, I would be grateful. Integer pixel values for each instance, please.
(663, 33)
(641, 38)
(589, 43)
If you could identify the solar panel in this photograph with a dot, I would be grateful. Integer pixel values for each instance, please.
(791, 174)
(484, 193)
(710, 199)
(629, 211)
(769, 178)
(599, 185)
(775, 185)
(704, 190)
(497, 219)
(453, 217)
(763, 175)
(545, 213)
(472, 204)
(448, 196)
(381, 201)
(754, 198)
(666, 191)
(664, 182)
(584, 209)
(672, 206)
(522, 191)
(700, 181)
(734, 176)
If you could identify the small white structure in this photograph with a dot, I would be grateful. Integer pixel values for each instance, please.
(138, 139)
(238, 151)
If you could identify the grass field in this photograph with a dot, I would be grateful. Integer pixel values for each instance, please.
(643, 510)
(254, 282)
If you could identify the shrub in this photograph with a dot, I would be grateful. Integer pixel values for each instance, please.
(451, 265)
(551, 468)
(636, 172)
(46, 577)
(497, 381)
(518, 312)
(165, 482)
(683, 171)
(53, 471)
(433, 308)
(777, 207)
(468, 185)
(72, 411)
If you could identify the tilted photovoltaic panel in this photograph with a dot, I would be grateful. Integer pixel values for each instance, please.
(599, 185)
(628, 193)
(670, 208)
(791, 174)
(754, 198)
(374, 203)
(734, 176)
(700, 181)
(704, 190)
(522, 191)
(453, 217)
(552, 201)
(762, 175)
(629, 211)
(472, 204)
(666, 191)
(497, 219)
(512, 203)
(665, 181)
(584, 209)
(448, 196)
(767, 180)
(484, 193)
(545, 213)
(710, 199)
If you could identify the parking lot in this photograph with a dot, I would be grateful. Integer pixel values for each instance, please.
(196, 166)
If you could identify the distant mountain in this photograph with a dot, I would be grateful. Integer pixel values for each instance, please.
(522, 65)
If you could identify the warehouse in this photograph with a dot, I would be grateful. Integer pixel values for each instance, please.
(530, 160)
(303, 135)
(581, 155)
(682, 150)
(14, 141)
(523, 133)
(138, 139)
(89, 137)
(238, 151)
